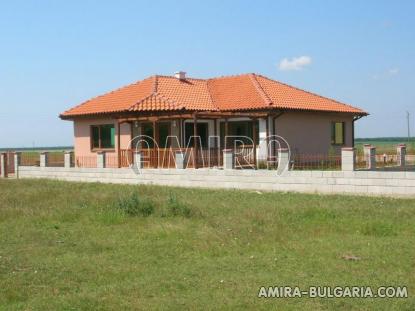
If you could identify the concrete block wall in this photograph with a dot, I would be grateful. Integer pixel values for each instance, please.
(340, 182)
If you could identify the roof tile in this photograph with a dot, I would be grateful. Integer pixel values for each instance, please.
(231, 93)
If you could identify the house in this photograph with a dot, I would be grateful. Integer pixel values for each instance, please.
(223, 112)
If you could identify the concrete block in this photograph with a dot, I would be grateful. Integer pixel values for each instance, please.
(228, 159)
(283, 160)
(44, 159)
(348, 159)
(68, 156)
(101, 159)
(401, 153)
(3, 165)
(180, 159)
(138, 160)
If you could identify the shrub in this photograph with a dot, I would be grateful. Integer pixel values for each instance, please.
(133, 206)
(177, 208)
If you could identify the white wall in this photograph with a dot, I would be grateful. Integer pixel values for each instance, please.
(356, 182)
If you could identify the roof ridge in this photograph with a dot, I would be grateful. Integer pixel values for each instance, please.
(187, 78)
(230, 76)
(210, 95)
(155, 86)
(308, 92)
(259, 88)
(139, 102)
(157, 96)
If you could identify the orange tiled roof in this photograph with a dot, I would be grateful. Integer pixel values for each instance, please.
(232, 93)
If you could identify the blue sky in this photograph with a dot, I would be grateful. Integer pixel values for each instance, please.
(56, 54)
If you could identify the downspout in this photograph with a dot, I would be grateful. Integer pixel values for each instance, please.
(275, 117)
(354, 120)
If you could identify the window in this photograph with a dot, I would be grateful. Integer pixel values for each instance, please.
(147, 131)
(103, 136)
(202, 132)
(244, 129)
(337, 133)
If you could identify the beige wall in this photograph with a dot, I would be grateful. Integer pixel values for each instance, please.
(310, 132)
(305, 132)
(82, 143)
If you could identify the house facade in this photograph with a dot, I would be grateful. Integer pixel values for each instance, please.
(249, 113)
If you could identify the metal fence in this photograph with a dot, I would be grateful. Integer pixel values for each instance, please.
(315, 162)
(86, 161)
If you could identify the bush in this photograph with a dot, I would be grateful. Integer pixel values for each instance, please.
(177, 208)
(133, 206)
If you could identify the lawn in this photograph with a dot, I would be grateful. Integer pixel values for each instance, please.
(386, 145)
(77, 246)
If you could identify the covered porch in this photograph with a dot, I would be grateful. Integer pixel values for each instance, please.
(201, 137)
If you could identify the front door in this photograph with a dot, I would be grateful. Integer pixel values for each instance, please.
(202, 132)
(164, 132)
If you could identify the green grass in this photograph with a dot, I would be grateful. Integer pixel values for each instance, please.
(386, 145)
(76, 246)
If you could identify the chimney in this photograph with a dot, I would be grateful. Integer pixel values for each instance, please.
(181, 75)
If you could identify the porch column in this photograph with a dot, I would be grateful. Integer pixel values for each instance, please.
(254, 134)
(195, 141)
(262, 143)
(273, 144)
(401, 153)
(118, 144)
(180, 127)
(156, 140)
(348, 163)
(226, 143)
(3, 165)
(183, 143)
(215, 133)
(267, 138)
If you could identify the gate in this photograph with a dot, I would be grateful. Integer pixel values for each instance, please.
(10, 163)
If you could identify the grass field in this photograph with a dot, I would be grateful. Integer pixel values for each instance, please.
(75, 246)
(386, 145)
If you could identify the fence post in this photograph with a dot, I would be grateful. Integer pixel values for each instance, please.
(366, 152)
(401, 152)
(179, 158)
(228, 159)
(68, 156)
(138, 159)
(17, 157)
(283, 160)
(100, 159)
(371, 159)
(3, 165)
(44, 159)
(348, 159)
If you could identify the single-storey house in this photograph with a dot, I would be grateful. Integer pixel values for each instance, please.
(169, 111)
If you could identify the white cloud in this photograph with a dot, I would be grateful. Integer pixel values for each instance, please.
(384, 75)
(393, 71)
(295, 63)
